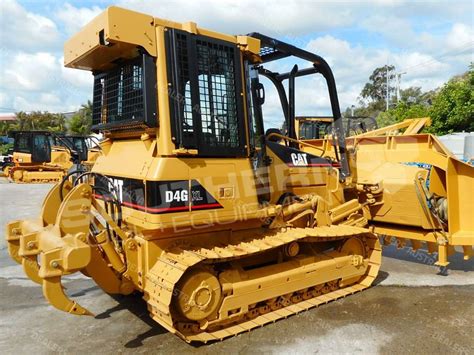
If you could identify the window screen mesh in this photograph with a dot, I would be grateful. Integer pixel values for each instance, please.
(184, 83)
(206, 96)
(217, 94)
(118, 95)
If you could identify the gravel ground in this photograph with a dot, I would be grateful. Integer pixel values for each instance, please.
(411, 309)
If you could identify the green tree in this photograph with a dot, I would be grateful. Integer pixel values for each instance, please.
(401, 111)
(5, 127)
(412, 95)
(372, 98)
(4, 148)
(38, 120)
(81, 121)
(413, 103)
(376, 88)
(453, 107)
(372, 109)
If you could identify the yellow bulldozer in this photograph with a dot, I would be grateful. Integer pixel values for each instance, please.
(222, 227)
(43, 156)
(317, 127)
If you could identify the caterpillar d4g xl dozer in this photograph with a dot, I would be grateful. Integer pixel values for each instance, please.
(222, 228)
(43, 156)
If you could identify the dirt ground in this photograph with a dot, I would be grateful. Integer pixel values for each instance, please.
(411, 309)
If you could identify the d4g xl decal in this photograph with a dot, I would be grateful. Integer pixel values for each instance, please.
(161, 196)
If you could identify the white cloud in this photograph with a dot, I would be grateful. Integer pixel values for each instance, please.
(27, 71)
(53, 101)
(33, 77)
(80, 79)
(286, 18)
(395, 29)
(419, 65)
(21, 29)
(459, 43)
(4, 101)
(50, 99)
(438, 10)
(290, 18)
(350, 64)
(353, 64)
(74, 18)
(38, 81)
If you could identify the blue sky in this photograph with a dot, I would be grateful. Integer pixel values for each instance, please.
(429, 40)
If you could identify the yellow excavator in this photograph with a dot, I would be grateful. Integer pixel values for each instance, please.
(43, 156)
(222, 227)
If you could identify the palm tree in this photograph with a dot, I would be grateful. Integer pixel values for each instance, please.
(81, 122)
